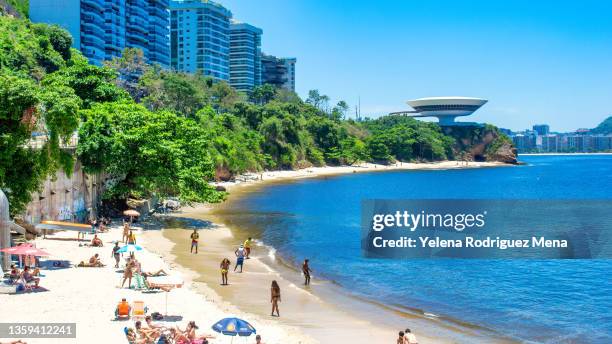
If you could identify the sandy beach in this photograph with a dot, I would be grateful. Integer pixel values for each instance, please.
(321, 311)
(88, 296)
(315, 172)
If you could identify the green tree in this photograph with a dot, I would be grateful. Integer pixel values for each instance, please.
(263, 94)
(147, 153)
(130, 68)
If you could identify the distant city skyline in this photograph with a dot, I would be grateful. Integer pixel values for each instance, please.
(537, 62)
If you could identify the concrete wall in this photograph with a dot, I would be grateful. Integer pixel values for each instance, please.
(65, 198)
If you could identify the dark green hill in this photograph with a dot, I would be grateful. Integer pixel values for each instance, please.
(604, 128)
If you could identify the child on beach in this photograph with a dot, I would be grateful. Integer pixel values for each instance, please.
(275, 297)
(225, 264)
(306, 270)
(240, 257)
(194, 241)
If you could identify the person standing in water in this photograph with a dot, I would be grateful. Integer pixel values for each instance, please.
(275, 297)
(195, 236)
(247, 247)
(240, 257)
(225, 264)
(306, 270)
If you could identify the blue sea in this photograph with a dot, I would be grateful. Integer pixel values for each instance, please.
(540, 301)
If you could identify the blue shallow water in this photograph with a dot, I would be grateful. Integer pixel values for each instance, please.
(550, 301)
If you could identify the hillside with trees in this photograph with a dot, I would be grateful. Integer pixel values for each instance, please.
(604, 128)
(159, 132)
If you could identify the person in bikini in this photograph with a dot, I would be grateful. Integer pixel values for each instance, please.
(275, 297)
(225, 264)
(306, 270)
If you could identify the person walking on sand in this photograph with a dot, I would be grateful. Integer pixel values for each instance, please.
(195, 236)
(247, 247)
(116, 254)
(409, 337)
(306, 270)
(275, 298)
(240, 257)
(126, 231)
(225, 264)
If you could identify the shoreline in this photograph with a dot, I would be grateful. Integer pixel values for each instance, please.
(561, 154)
(351, 309)
(325, 171)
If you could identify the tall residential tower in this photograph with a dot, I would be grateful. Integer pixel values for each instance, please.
(101, 29)
(278, 71)
(200, 38)
(245, 56)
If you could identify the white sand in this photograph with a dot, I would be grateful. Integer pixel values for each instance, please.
(312, 172)
(88, 297)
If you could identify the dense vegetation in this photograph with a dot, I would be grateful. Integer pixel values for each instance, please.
(604, 128)
(15, 7)
(157, 132)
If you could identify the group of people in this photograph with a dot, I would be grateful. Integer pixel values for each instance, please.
(28, 275)
(407, 337)
(152, 333)
(244, 252)
(128, 236)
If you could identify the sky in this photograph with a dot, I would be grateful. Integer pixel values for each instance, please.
(535, 61)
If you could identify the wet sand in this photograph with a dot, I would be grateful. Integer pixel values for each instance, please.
(322, 311)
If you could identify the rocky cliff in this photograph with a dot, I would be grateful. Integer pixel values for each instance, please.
(482, 142)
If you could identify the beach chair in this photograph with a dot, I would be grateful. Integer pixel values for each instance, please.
(122, 313)
(139, 310)
(139, 281)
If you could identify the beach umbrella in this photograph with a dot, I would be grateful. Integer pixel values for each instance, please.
(165, 283)
(234, 327)
(25, 250)
(12, 250)
(64, 226)
(130, 248)
(131, 213)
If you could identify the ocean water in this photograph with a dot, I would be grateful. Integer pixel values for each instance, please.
(539, 301)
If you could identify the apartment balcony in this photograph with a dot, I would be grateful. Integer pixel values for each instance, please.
(97, 4)
(159, 12)
(92, 29)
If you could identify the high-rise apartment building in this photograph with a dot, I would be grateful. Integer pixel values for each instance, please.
(245, 56)
(200, 38)
(279, 72)
(541, 129)
(101, 29)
